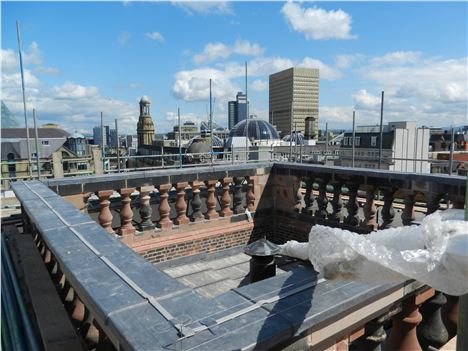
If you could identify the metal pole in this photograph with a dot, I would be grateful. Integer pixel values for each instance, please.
(211, 125)
(290, 133)
(462, 332)
(300, 154)
(38, 162)
(452, 147)
(326, 142)
(246, 94)
(118, 145)
(295, 144)
(381, 129)
(354, 138)
(180, 141)
(103, 153)
(24, 98)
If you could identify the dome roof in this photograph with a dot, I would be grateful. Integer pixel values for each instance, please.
(145, 100)
(297, 138)
(252, 128)
(196, 142)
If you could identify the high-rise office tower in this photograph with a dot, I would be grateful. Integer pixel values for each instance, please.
(237, 110)
(97, 136)
(294, 96)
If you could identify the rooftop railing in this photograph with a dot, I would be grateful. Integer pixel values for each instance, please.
(117, 298)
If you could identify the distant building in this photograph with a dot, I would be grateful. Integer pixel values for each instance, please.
(293, 97)
(405, 148)
(113, 142)
(97, 136)
(14, 149)
(77, 144)
(237, 110)
(219, 131)
(188, 130)
(145, 127)
(254, 135)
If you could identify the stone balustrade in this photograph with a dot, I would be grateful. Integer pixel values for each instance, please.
(361, 200)
(87, 260)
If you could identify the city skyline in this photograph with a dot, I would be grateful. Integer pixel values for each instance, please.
(84, 58)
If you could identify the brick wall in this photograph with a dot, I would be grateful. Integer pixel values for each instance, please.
(206, 240)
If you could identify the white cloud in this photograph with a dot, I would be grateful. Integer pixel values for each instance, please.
(431, 91)
(397, 58)
(214, 51)
(316, 23)
(205, 7)
(259, 85)
(155, 36)
(346, 60)
(123, 38)
(336, 114)
(326, 72)
(186, 117)
(365, 100)
(192, 85)
(211, 52)
(135, 86)
(245, 47)
(48, 71)
(10, 58)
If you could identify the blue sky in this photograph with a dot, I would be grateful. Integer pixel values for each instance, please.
(82, 58)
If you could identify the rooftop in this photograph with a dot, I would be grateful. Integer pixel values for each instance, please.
(158, 262)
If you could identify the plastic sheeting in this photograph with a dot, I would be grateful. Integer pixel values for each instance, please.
(434, 253)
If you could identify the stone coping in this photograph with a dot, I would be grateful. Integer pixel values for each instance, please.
(79, 185)
(121, 290)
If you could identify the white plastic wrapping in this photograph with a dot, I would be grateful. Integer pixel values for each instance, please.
(434, 253)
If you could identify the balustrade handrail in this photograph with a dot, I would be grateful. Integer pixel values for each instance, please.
(124, 303)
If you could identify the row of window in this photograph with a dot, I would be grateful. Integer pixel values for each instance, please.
(349, 141)
(357, 141)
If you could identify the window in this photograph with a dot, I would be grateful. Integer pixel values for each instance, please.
(357, 141)
(345, 141)
(45, 142)
(373, 141)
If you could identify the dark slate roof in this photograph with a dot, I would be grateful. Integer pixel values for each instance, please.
(43, 133)
(258, 129)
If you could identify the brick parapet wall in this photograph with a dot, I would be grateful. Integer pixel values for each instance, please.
(206, 240)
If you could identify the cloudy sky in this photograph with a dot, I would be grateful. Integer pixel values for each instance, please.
(82, 58)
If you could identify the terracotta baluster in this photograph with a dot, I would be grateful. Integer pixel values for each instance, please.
(211, 200)
(370, 210)
(126, 213)
(145, 208)
(408, 216)
(196, 203)
(352, 206)
(388, 213)
(89, 332)
(105, 215)
(322, 200)
(181, 204)
(449, 314)
(78, 312)
(164, 208)
(403, 335)
(47, 256)
(336, 203)
(432, 331)
(373, 338)
(309, 196)
(238, 208)
(226, 198)
(251, 194)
